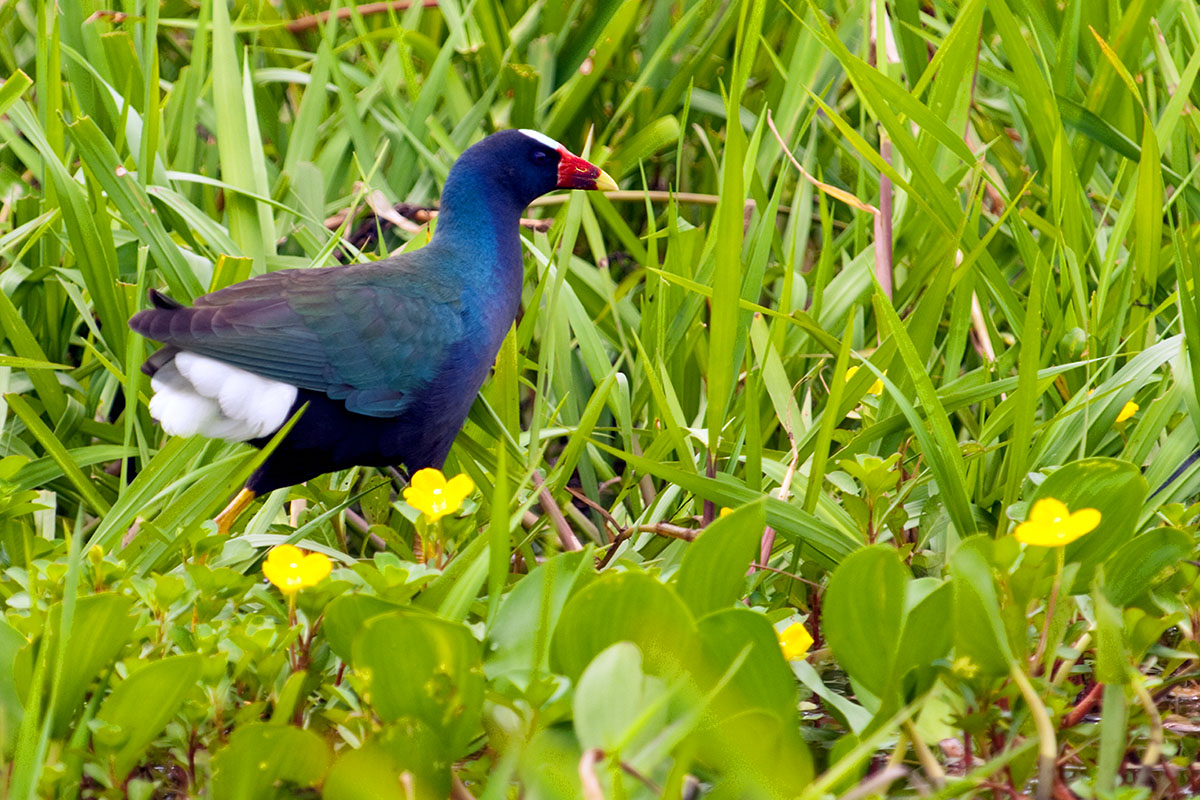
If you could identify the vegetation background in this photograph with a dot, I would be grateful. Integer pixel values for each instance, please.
(882, 274)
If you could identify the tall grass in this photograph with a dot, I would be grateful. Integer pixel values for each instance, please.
(988, 207)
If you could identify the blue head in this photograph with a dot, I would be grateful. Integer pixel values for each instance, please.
(508, 170)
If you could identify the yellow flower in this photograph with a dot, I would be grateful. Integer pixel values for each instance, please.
(291, 569)
(794, 640)
(876, 387)
(434, 496)
(1051, 524)
(1127, 411)
(964, 667)
(725, 511)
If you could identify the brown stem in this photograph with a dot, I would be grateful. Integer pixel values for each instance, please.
(710, 509)
(1085, 704)
(587, 774)
(307, 23)
(566, 536)
(883, 222)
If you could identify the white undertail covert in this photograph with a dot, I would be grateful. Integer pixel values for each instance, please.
(195, 394)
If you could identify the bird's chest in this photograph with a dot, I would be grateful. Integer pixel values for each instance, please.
(490, 306)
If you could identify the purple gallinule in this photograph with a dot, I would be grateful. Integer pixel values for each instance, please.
(387, 355)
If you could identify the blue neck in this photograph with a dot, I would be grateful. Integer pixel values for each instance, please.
(480, 222)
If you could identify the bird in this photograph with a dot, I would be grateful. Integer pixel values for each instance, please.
(385, 357)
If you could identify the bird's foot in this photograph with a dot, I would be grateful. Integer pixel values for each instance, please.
(232, 511)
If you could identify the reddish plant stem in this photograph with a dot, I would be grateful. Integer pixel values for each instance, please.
(316, 20)
(1085, 704)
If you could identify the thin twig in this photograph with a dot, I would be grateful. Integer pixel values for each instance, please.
(877, 783)
(787, 574)
(628, 769)
(307, 23)
(883, 223)
(608, 518)
(673, 531)
(768, 538)
(645, 485)
(832, 191)
(566, 536)
(1081, 709)
(458, 790)
(587, 774)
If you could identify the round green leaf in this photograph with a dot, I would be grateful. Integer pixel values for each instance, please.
(1134, 568)
(863, 612)
(142, 705)
(419, 667)
(260, 758)
(345, 616)
(712, 574)
(763, 679)
(612, 698)
(979, 631)
(376, 771)
(624, 607)
(518, 641)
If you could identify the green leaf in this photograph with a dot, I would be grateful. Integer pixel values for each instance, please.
(979, 633)
(712, 574)
(617, 707)
(12, 88)
(250, 222)
(376, 770)
(749, 733)
(1112, 652)
(726, 235)
(863, 612)
(141, 706)
(1148, 217)
(11, 708)
(826, 541)
(637, 609)
(939, 443)
(443, 678)
(130, 198)
(261, 761)
(100, 629)
(518, 643)
(1141, 562)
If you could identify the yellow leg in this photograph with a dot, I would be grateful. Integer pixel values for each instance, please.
(232, 511)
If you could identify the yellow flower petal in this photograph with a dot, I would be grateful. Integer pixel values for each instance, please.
(1127, 411)
(314, 568)
(1051, 524)
(459, 488)
(428, 480)
(1082, 521)
(725, 511)
(285, 554)
(291, 570)
(876, 387)
(794, 640)
(1048, 511)
(430, 493)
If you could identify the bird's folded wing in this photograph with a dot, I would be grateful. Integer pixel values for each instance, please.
(354, 334)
